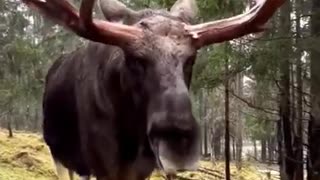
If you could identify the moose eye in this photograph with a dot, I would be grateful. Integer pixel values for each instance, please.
(137, 65)
(144, 25)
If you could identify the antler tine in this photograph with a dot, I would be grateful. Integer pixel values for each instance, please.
(65, 14)
(252, 21)
(86, 12)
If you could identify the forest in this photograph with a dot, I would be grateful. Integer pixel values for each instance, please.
(256, 98)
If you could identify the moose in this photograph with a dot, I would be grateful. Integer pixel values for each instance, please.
(119, 107)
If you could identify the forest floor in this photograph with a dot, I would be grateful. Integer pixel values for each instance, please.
(26, 157)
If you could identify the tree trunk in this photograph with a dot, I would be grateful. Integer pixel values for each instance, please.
(216, 143)
(285, 107)
(270, 153)
(292, 93)
(314, 133)
(255, 149)
(263, 150)
(281, 151)
(298, 138)
(239, 124)
(217, 148)
(233, 148)
(9, 127)
(201, 117)
(227, 133)
(28, 120)
(212, 156)
(205, 120)
(36, 119)
(271, 149)
(9, 122)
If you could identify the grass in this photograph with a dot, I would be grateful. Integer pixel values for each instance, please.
(26, 157)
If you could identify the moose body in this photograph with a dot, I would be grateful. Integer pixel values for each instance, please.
(94, 85)
(119, 107)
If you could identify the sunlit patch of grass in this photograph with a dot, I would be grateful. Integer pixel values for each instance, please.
(26, 157)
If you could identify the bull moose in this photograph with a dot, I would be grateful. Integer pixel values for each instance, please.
(119, 107)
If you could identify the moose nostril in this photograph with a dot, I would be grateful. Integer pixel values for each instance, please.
(178, 102)
(181, 170)
(184, 142)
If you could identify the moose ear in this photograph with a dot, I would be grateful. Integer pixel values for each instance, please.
(185, 9)
(115, 11)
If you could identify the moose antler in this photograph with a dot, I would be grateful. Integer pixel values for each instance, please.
(65, 14)
(252, 21)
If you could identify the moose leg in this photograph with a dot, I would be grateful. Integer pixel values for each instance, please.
(70, 174)
(170, 177)
(60, 169)
(103, 178)
(84, 178)
(131, 173)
